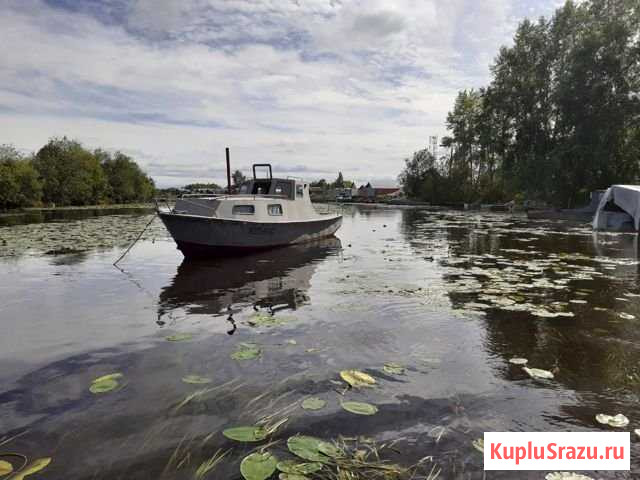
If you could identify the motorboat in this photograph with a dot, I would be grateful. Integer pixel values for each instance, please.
(265, 213)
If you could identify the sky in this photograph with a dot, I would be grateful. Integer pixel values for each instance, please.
(313, 87)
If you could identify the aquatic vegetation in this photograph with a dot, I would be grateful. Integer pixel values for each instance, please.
(246, 351)
(538, 373)
(359, 408)
(5, 468)
(210, 464)
(566, 476)
(295, 468)
(179, 337)
(478, 444)
(254, 433)
(313, 403)
(246, 434)
(33, 467)
(106, 383)
(312, 448)
(258, 466)
(357, 379)
(617, 421)
(196, 379)
(393, 368)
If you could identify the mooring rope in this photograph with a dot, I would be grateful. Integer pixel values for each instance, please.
(136, 240)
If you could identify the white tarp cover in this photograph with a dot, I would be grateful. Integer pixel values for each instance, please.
(627, 197)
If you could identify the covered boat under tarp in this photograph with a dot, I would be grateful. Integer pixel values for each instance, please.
(619, 209)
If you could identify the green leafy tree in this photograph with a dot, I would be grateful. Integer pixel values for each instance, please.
(71, 174)
(238, 178)
(19, 183)
(126, 182)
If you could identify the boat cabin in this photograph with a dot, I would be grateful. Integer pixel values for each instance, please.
(262, 199)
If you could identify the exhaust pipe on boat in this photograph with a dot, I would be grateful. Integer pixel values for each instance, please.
(228, 172)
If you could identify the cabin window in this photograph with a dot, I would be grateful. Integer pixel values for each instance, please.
(243, 210)
(284, 189)
(275, 209)
(299, 191)
(244, 188)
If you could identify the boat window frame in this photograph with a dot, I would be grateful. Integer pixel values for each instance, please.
(299, 190)
(279, 205)
(237, 206)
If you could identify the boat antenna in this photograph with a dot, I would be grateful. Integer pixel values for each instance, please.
(228, 172)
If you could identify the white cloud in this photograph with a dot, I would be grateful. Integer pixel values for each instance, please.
(325, 85)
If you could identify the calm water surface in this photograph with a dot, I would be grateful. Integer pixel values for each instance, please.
(452, 296)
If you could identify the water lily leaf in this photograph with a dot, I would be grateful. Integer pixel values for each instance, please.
(111, 376)
(293, 467)
(246, 434)
(308, 448)
(179, 337)
(292, 476)
(617, 421)
(360, 408)
(196, 379)
(33, 467)
(313, 403)
(518, 361)
(258, 466)
(393, 368)
(103, 386)
(538, 373)
(566, 476)
(246, 351)
(330, 450)
(478, 444)
(357, 379)
(5, 468)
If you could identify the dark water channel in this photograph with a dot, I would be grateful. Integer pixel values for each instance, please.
(450, 296)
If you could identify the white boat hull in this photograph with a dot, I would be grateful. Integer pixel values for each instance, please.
(210, 236)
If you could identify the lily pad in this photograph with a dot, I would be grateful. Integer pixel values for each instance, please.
(5, 468)
(246, 351)
(33, 467)
(111, 376)
(313, 403)
(309, 448)
(357, 379)
(360, 408)
(478, 444)
(518, 361)
(566, 476)
(179, 337)
(196, 379)
(258, 466)
(293, 467)
(105, 383)
(103, 387)
(617, 421)
(292, 476)
(246, 434)
(538, 373)
(393, 368)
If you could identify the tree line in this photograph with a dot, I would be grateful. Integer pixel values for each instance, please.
(560, 117)
(63, 172)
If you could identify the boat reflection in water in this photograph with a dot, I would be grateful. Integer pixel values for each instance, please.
(275, 279)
